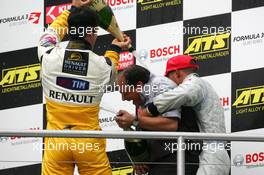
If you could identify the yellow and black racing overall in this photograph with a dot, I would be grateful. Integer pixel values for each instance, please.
(73, 82)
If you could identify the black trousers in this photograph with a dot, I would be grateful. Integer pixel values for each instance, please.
(161, 168)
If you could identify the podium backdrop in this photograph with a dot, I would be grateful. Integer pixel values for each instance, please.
(226, 36)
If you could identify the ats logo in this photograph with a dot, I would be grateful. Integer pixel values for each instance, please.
(32, 18)
(20, 78)
(208, 46)
(156, 4)
(54, 11)
(125, 59)
(249, 100)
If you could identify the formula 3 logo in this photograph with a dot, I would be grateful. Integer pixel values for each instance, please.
(33, 18)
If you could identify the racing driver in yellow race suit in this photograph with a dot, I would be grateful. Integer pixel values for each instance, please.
(72, 80)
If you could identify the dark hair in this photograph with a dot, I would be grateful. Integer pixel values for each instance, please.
(82, 18)
(134, 73)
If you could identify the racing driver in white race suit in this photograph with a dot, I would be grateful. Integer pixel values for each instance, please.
(197, 93)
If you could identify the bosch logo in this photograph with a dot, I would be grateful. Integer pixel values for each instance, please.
(118, 2)
(143, 54)
(238, 160)
(165, 51)
(255, 157)
(248, 159)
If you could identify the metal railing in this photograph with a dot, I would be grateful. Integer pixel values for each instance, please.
(180, 136)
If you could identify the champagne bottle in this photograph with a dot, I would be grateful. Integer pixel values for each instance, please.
(107, 18)
(137, 149)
